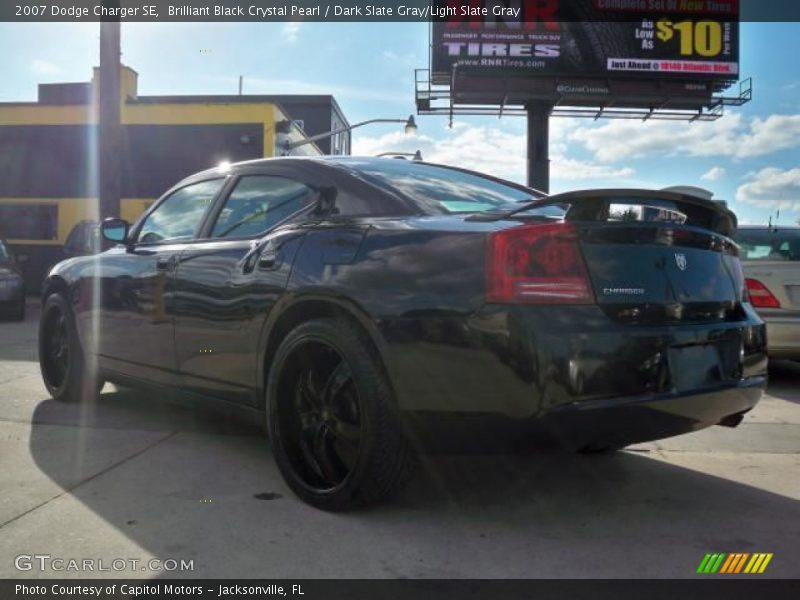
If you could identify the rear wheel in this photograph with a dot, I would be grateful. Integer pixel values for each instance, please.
(596, 448)
(332, 418)
(61, 358)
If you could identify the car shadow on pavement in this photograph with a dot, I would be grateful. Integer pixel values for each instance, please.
(784, 380)
(184, 482)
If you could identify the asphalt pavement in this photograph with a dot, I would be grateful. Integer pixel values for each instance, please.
(137, 477)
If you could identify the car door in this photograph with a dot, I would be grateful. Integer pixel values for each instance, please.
(137, 287)
(228, 282)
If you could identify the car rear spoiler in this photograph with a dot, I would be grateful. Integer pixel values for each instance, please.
(594, 205)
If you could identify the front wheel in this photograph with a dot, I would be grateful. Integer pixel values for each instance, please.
(332, 418)
(61, 359)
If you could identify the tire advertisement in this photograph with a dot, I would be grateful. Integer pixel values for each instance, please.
(688, 39)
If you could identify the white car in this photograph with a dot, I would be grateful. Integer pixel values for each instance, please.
(771, 261)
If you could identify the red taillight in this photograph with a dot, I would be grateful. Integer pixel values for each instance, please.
(740, 281)
(537, 264)
(760, 296)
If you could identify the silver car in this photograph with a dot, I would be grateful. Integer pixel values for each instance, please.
(771, 262)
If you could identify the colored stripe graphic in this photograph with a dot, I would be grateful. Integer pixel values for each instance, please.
(715, 562)
(764, 564)
(754, 562)
(741, 562)
(703, 563)
(733, 563)
(727, 564)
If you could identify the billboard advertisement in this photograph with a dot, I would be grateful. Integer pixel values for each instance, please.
(689, 39)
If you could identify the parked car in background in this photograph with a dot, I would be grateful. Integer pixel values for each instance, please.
(338, 297)
(12, 285)
(84, 239)
(771, 261)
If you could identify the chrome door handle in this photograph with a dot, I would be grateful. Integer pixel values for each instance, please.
(164, 263)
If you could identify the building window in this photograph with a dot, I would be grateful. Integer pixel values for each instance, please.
(29, 221)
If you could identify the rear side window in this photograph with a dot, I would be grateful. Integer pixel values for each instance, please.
(769, 244)
(444, 190)
(180, 215)
(259, 203)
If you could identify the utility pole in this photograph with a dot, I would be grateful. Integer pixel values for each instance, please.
(539, 145)
(109, 117)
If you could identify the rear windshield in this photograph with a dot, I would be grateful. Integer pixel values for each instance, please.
(769, 244)
(444, 190)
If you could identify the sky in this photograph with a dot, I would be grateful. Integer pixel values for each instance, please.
(750, 157)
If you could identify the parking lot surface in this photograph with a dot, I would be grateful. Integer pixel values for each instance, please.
(138, 477)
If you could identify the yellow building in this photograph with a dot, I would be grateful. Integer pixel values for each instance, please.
(48, 153)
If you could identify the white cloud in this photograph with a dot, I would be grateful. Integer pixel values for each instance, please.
(257, 85)
(728, 136)
(565, 168)
(404, 59)
(42, 67)
(490, 150)
(772, 188)
(776, 132)
(714, 174)
(291, 31)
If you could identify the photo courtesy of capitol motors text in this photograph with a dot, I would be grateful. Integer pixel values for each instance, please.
(134, 590)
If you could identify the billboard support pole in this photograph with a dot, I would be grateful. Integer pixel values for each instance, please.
(539, 145)
(109, 123)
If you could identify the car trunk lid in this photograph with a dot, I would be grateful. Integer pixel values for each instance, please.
(657, 257)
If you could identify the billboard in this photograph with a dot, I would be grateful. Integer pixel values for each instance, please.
(688, 39)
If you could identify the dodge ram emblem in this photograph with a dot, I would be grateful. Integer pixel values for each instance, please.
(680, 260)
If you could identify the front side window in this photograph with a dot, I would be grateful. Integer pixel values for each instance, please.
(259, 203)
(180, 215)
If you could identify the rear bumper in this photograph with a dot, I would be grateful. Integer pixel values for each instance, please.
(574, 368)
(783, 336)
(624, 421)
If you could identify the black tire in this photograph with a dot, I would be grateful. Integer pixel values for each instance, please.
(61, 359)
(324, 382)
(599, 448)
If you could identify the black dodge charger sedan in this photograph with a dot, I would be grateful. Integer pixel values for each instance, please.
(337, 296)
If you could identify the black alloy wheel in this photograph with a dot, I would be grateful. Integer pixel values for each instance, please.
(332, 421)
(61, 358)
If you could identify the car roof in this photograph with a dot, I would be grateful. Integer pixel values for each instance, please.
(327, 160)
(349, 163)
(770, 227)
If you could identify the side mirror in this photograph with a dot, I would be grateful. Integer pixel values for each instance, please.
(115, 230)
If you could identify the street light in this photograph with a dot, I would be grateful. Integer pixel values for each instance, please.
(410, 128)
